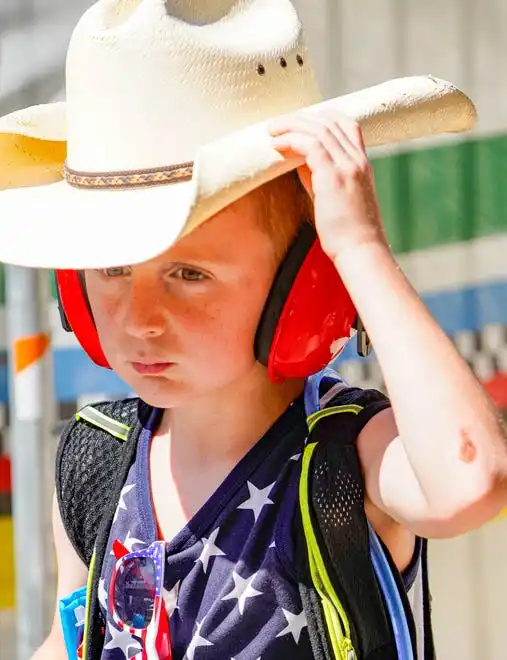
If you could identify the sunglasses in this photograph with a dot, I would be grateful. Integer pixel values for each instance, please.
(136, 602)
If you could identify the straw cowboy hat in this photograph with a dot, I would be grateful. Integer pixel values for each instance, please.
(165, 125)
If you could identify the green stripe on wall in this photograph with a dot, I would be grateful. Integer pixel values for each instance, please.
(444, 195)
(437, 196)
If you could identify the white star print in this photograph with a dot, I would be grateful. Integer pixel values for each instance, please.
(296, 457)
(130, 542)
(242, 590)
(196, 642)
(171, 598)
(121, 639)
(121, 504)
(258, 498)
(273, 545)
(295, 624)
(102, 595)
(209, 549)
(79, 613)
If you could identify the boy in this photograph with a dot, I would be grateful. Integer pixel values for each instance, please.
(215, 469)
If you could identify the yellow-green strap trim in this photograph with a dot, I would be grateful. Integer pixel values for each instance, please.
(108, 424)
(89, 585)
(336, 618)
(333, 410)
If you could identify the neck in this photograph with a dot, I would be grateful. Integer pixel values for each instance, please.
(228, 422)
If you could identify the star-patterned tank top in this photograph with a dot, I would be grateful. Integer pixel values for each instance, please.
(230, 587)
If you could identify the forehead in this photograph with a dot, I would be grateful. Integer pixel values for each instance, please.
(233, 234)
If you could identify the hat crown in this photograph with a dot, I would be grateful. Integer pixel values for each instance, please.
(150, 81)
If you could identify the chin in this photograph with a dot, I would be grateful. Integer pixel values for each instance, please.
(162, 392)
(179, 387)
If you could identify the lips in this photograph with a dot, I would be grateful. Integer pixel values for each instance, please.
(151, 368)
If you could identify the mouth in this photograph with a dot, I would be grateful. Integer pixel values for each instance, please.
(151, 368)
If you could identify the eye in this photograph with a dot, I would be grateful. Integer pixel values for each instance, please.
(188, 274)
(116, 271)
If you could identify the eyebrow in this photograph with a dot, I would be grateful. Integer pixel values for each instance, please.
(222, 261)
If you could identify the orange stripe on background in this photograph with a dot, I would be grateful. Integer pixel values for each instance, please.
(28, 350)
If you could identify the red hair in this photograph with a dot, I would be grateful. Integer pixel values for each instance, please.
(283, 205)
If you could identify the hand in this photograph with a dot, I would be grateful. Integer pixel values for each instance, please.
(337, 175)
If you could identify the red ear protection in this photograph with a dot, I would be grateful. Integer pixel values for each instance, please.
(308, 316)
(307, 319)
(76, 314)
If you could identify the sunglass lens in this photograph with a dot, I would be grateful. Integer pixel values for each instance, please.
(134, 592)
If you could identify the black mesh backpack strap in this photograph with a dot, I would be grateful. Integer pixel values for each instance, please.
(88, 458)
(346, 612)
(95, 453)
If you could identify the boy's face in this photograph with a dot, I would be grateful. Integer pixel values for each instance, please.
(183, 324)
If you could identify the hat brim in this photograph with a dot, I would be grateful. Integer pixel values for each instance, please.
(57, 226)
(46, 223)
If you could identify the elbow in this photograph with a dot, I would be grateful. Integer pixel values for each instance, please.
(491, 490)
(490, 480)
(479, 495)
(489, 493)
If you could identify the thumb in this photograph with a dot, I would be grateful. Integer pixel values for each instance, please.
(305, 176)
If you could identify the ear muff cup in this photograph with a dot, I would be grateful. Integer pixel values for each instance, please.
(308, 316)
(76, 314)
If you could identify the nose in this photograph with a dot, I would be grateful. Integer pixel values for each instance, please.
(144, 316)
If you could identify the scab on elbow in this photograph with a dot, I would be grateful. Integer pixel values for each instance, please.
(467, 449)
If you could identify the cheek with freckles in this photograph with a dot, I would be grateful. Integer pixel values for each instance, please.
(111, 332)
(219, 339)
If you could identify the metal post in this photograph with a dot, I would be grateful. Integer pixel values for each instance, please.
(29, 342)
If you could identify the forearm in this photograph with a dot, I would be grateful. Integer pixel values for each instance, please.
(449, 428)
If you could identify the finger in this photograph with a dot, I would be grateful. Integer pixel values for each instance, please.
(326, 171)
(349, 134)
(335, 138)
(319, 130)
(350, 128)
(342, 136)
(312, 149)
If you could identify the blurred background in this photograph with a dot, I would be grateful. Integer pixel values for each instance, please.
(444, 203)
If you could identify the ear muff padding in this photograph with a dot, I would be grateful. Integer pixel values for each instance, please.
(280, 289)
(76, 312)
(309, 315)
